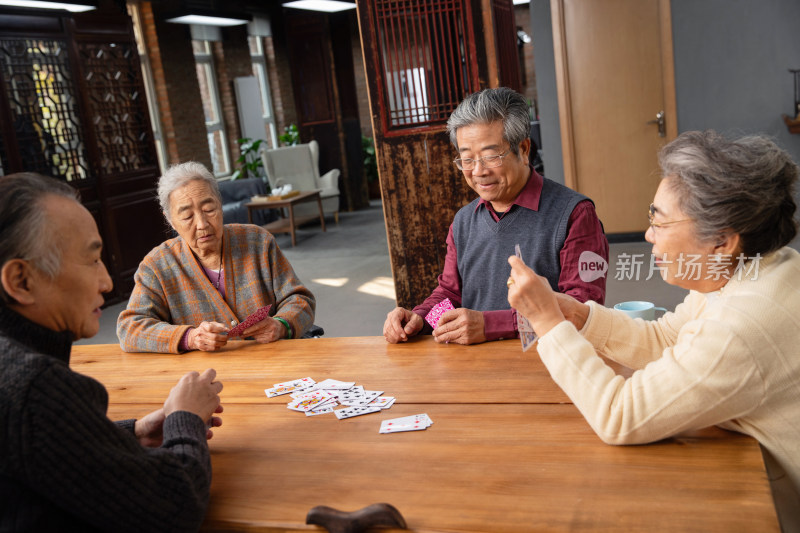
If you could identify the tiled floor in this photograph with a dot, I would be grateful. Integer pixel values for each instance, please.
(348, 270)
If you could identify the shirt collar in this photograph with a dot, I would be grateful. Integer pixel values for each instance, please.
(530, 194)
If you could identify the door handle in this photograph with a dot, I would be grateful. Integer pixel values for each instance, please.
(662, 125)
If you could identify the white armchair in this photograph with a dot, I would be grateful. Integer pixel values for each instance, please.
(298, 165)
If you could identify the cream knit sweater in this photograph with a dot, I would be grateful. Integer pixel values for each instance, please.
(730, 358)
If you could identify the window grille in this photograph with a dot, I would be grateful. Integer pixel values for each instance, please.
(427, 60)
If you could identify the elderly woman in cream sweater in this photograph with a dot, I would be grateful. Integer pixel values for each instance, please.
(730, 353)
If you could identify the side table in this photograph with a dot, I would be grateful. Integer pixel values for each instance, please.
(288, 225)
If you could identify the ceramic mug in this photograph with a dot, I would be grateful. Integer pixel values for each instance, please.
(644, 310)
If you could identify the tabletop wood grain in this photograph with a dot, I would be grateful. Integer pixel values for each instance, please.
(420, 371)
(505, 453)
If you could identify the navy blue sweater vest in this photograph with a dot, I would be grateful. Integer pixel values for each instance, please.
(483, 245)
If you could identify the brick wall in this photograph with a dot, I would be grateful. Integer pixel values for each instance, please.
(280, 78)
(180, 106)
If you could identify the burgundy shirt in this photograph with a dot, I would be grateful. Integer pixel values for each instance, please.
(584, 232)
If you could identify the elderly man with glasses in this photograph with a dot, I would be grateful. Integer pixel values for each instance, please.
(552, 224)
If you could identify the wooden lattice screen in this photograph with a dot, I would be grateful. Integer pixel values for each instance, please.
(426, 62)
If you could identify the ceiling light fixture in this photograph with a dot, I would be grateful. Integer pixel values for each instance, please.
(328, 6)
(208, 20)
(74, 7)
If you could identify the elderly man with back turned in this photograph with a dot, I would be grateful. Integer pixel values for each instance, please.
(552, 224)
(64, 466)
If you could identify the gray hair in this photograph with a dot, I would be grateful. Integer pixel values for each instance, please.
(179, 175)
(24, 233)
(491, 105)
(745, 185)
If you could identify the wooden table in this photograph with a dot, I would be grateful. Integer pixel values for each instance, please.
(288, 226)
(506, 451)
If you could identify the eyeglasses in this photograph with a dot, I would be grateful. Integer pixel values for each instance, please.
(652, 213)
(489, 161)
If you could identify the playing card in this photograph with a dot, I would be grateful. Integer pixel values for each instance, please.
(406, 423)
(320, 411)
(255, 318)
(306, 403)
(364, 399)
(408, 420)
(349, 412)
(437, 311)
(351, 395)
(384, 402)
(398, 429)
(300, 382)
(335, 384)
(284, 389)
(526, 334)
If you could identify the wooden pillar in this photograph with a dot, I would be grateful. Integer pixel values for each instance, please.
(421, 59)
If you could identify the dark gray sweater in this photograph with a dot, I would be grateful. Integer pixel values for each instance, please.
(483, 245)
(64, 466)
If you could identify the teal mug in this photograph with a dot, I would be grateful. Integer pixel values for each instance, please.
(643, 310)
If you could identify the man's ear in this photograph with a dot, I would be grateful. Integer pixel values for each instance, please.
(16, 277)
(525, 150)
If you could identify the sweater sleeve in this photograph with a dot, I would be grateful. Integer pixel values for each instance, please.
(634, 342)
(144, 326)
(79, 458)
(707, 377)
(294, 301)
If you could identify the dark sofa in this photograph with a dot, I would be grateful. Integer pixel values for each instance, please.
(236, 193)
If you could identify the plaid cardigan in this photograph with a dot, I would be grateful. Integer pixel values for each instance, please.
(172, 293)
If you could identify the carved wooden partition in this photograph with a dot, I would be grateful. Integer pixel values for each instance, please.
(72, 106)
(422, 58)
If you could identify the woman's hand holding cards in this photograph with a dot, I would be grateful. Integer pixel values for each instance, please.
(208, 337)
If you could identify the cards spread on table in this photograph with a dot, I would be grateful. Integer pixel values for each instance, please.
(255, 318)
(320, 398)
(316, 398)
(437, 311)
(526, 334)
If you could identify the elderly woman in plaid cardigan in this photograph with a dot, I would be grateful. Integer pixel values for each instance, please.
(190, 290)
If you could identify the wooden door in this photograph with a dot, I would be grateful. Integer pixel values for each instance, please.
(614, 71)
(321, 62)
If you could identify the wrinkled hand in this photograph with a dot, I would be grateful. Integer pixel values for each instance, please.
(208, 337)
(196, 393)
(268, 330)
(573, 310)
(462, 326)
(531, 295)
(150, 429)
(401, 324)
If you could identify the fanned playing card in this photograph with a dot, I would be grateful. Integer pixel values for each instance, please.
(526, 334)
(437, 311)
(350, 412)
(255, 318)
